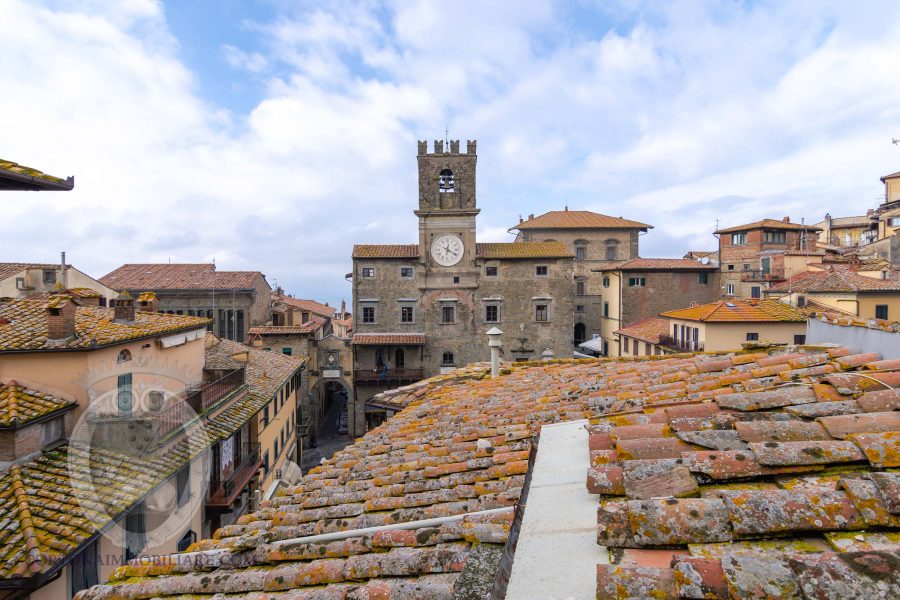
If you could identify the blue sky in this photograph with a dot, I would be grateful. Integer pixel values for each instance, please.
(273, 135)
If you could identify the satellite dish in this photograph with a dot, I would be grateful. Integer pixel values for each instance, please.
(704, 260)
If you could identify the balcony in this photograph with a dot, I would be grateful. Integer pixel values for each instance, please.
(389, 376)
(762, 275)
(223, 493)
(684, 345)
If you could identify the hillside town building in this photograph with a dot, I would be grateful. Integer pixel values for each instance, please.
(423, 309)
(843, 290)
(39, 280)
(234, 301)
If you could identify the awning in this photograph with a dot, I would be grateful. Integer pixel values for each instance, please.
(595, 344)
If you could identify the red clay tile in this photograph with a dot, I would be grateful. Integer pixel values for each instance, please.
(699, 578)
(699, 409)
(719, 364)
(751, 576)
(605, 480)
(635, 583)
(814, 452)
(599, 441)
(714, 439)
(826, 392)
(779, 359)
(870, 575)
(659, 478)
(840, 426)
(857, 360)
(808, 360)
(889, 487)
(882, 449)
(735, 464)
(649, 448)
(867, 499)
(883, 365)
(882, 400)
(603, 457)
(754, 513)
(784, 396)
(662, 522)
(646, 557)
(780, 431)
(722, 420)
(824, 409)
(633, 432)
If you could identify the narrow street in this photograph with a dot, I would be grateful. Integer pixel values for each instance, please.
(329, 439)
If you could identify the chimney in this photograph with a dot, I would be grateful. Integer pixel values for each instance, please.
(531, 216)
(124, 310)
(786, 220)
(694, 304)
(60, 317)
(148, 302)
(64, 270)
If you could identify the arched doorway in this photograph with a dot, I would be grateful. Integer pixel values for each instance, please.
(579, 333)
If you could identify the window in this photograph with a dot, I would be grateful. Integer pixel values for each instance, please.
(84, 569)
(579, 308)
(447, 359)
(304, 317)
(738, 239)
(540, 271)
(729, 289)
(893, 221)
(182, 486)
(625, 344)
(446, 182)
(541, 313)
(287, 350)
(490, 271)
(406, 272)
(801, 301)
(703, 278)
(606, 282)
(731, 267)
(20, 283)
(368, 314)
(186, 540)
(49, 277)
(52, 431)
(752, 337)
(610, 253)
(265, 415)
(135, 535)
(275, 449)
(399, 358)
(755, 291)
(605, 348)
(448, 314)
(124, 356)
(606, 309)
(774, 237)
(580, 253)
(123, 393)
(646, 348)
(456, 280)
(580, 287)
(368, 272)
(492, 313)
(407, 314)
(881, 311)
(799, 339)
(266, 463)
(637, 281)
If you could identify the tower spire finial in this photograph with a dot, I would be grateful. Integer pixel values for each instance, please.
(447, 135)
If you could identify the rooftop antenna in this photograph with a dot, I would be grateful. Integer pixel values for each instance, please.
(447, 137)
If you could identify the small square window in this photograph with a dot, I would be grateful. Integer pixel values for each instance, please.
(637, 281)
(752, 337)
(407, 315)
(49, 277)
(703, 278)
(540, 271)
(490, 271)
(287, 350)
(406, 272)
(799, 339)
(731, 267)
(20, 283)
(368, 314)
(881, 311)
(368, 272)
(579, 308)
(541, 313)
(738, 239)
(448, 314)
(492, 313)
(456, 280)
(606, 282)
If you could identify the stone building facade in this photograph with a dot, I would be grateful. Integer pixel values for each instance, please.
(596, 241)
(423, 309)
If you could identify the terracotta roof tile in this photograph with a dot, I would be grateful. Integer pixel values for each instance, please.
(769, 224)
(660, 264)
(19, 405)
(646, 330)
(378, 339)
(385, 251)
(578, 219)
(524, 250)
(265, 371)
(740, 311)
(23, 326)
(311, 325)
(833, 281)
(203, 276)
(312, 306)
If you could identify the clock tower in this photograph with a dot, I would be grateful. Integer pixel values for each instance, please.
(447, 211)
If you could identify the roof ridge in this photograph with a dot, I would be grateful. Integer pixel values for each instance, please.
(26, 520)
(13, 408)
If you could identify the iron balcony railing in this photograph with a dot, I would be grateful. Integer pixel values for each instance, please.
(224, 491)
(686, 345)
(369, 375)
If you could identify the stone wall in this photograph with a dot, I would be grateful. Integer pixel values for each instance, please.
(665, 290)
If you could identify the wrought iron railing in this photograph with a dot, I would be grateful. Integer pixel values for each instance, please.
(223, 490)
(762, 275)
(370, 375)
(686, 345)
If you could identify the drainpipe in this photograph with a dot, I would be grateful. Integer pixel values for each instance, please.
(495, 344)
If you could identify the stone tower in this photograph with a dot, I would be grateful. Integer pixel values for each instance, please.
(447, 211)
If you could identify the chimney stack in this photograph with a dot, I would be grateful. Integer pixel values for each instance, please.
(64, 270)
(148, 302)
(60, 317)
(786, 219)
(124, 310)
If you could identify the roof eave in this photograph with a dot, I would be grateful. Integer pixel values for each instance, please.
(17, 181)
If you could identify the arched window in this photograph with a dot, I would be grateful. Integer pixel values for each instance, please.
(447, 359)
(447, 184)
(399, 358)
(124, 356)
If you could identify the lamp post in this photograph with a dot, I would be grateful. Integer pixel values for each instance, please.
(495, 343)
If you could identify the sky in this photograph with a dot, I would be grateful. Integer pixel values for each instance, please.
(273, 135)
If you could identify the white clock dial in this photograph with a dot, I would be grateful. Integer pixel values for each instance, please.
(447, 250)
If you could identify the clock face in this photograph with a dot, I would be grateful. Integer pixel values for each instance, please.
(447, 250)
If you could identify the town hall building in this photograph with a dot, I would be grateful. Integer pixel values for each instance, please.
(424, 309)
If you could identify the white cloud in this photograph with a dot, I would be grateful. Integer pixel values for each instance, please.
(675, 114)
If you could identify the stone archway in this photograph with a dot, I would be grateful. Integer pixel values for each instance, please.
(580, 333)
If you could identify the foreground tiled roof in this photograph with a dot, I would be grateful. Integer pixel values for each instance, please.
(311, 325)
(660, 264)
(19, 405)
(775, 490)
(646, 330)
(385, 251)
(464, 446)
(377, 339)
(834, 281)
(829, 314)
(512, 250)
(203, 276)
(14, 176)
(579, 219)
(265, 372)
(23, 326)
(740, 311)
(768, 224)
